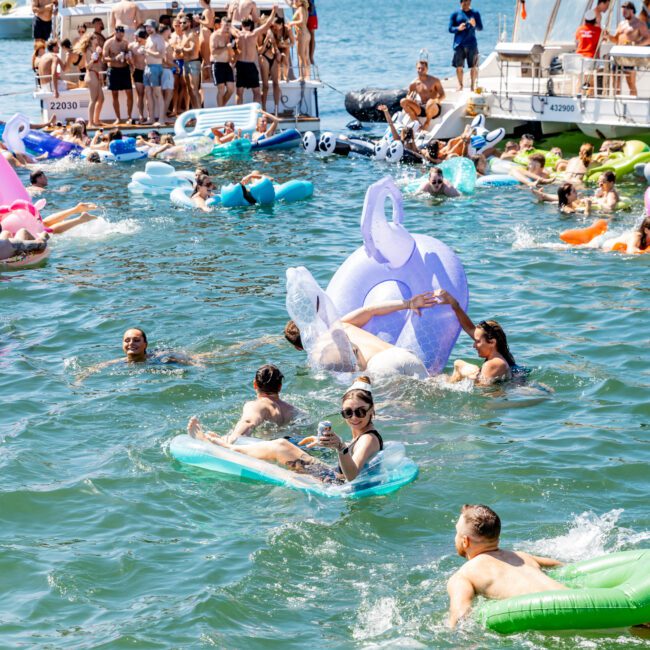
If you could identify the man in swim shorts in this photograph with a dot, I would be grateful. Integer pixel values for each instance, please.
(247, 73)
(266, 407)
(42, 23)
(374, 355)
(490, 571)
(463, 25)
(220, 55)
(118, 58)
(424, 96)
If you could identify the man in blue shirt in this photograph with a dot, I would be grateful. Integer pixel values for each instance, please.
(463, 25)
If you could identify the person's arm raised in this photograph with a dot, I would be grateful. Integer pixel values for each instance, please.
(251, 417)
(389, 120)
(461, 594)
(445, 298)
(267, 23)
(359, 317)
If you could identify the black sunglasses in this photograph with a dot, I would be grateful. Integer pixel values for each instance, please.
(359, 412)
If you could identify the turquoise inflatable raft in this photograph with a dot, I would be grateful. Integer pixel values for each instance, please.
(607, 592)
(386, 472)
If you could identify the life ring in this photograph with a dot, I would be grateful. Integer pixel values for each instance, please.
(159, 178)
(606, 592)
(395, 264)
(7, 7)
(496, 180)
(579, 236)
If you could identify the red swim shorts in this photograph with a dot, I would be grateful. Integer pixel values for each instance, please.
(312, 23)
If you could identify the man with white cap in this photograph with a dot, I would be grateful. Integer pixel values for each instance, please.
(588, 36)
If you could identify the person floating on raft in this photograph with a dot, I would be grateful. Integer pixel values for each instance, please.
(490, 571)
(370, 352)
(357, 409)
(490, 344)
(606, 198)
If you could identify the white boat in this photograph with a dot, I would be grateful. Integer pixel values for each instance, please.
(299, 99)
(16, 20)
(536, 77)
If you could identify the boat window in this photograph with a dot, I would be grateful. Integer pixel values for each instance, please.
(568, 18)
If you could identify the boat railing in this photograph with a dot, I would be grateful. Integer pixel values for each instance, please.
(570, 74)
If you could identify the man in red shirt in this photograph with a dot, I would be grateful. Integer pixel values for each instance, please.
(588, 36)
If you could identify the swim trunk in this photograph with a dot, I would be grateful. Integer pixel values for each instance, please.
(312, 23)
(138, 76)
(153, 75)
(167, 79)
(119, 78)
(222, 73)
(193, 67)
(41, 29)
(180, 64)
(396, 361)
(247, 75)
(462, 54)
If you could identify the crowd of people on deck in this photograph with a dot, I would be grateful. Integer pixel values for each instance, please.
(169, 61)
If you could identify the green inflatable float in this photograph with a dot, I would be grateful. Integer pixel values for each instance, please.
(551, 159)
(607, 592)
(634, 152)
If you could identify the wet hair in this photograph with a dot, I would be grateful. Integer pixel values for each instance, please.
(139, 329)
(269, 379)
(35, 175)
(201, 171)
(433, 148)
(643, 241)
(538, 158)
(115, 134)
(247, 22)
(563, 194)
(200, 181)
(93, 157)
(360, 393)
(438, 171)
(292, 334)
(586, 152)
(494, 332)
(482, 520)
(609, 176)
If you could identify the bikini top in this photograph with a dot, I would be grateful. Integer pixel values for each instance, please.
(350, 447)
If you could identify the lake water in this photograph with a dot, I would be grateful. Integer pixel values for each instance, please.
(106, 542)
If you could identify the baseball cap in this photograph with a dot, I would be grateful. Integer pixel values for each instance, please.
(590, 15)
(119, 28)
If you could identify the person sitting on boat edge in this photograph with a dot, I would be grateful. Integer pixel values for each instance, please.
(425, 96)
(373, 354)
(357, 409)
(490, 343)
(437, 185)
(266, 407)
(490, 571)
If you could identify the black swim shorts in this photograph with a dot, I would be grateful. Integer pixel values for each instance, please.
(462, 54)
(222, 73)
(138, 76)
(247, 75)
(119, 78)
(41, 29)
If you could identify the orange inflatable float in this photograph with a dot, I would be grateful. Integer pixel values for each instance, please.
(578, 236)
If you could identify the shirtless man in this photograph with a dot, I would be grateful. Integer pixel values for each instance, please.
(266, 407)
(206, 27)
(247, 74)
(372, 353)
(240, 10)
(220, 55)
(37, 183)
(490, 571)
(127, 14)
(192, 68)
(424, 96)
(154, 51)
(535, 173)
(118, 57)
(437, 185)
(49, 68)
(42, 23)
(137, 49)
(630, 31)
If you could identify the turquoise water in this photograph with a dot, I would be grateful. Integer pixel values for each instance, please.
(106, 542)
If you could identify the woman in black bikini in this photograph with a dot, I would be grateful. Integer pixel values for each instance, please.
(269, 58)
(357, 409)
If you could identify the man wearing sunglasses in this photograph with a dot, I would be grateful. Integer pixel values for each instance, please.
(373, 354)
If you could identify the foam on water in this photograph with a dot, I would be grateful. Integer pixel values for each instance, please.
(101, 228)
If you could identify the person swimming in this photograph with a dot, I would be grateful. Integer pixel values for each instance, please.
(490, 344)
(203, 190)
(567, 199)
(437, 185)
(357, 409)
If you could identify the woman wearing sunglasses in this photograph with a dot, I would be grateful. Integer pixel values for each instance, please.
(203, 189)
(490, 344)
(357, 409)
